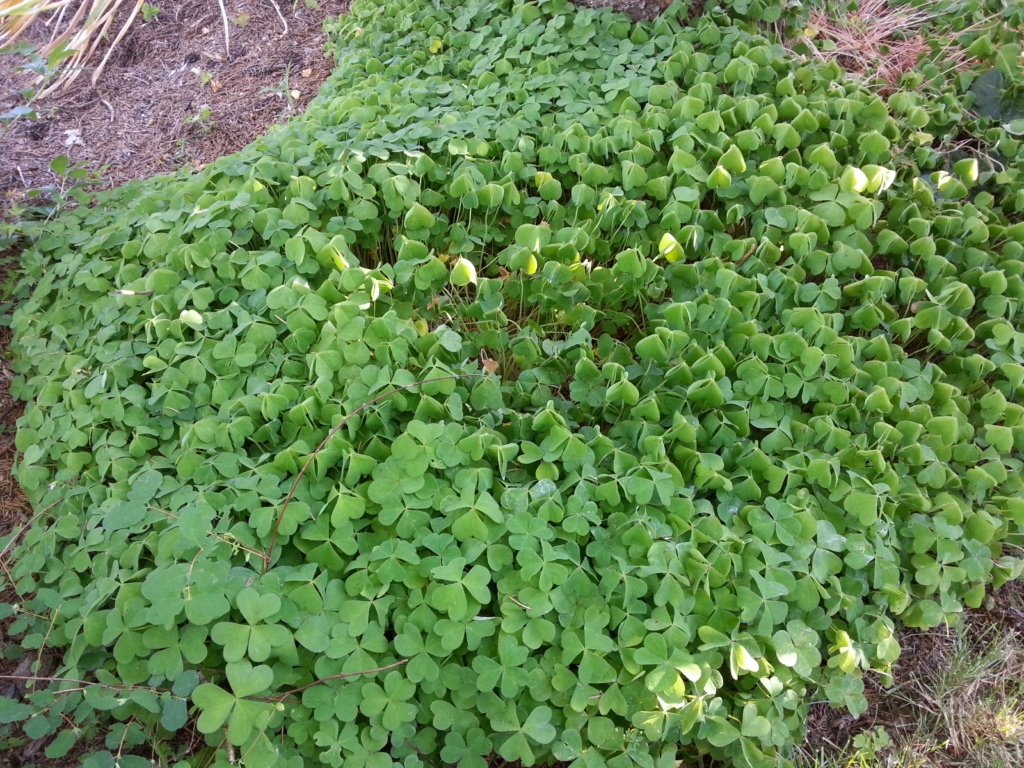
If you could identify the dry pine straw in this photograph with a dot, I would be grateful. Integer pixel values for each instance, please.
(876, 41)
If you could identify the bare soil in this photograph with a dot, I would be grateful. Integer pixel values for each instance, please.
(925, 654)
(638, 9)
(170, 96)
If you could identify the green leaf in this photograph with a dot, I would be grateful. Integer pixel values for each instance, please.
(418, 218)
(538, 725)
(469, 526)
(314, 634)
(516, 747)
(61, 745)
(247, 680)
(174, 714)
(215, 704)
(863, 505)
(719, 178)
(712, 638)
(486, 395)
(256, 607)
(295, 214)
(732, 162)
(463, 273)
(669, 248)
(719, 731)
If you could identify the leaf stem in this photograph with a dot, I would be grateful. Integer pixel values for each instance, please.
(344, 674)
(521, 605)
(27, 526)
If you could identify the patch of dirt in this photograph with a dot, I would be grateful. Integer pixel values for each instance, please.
(638, 9)
(898, 708)
(169, 96)
(879, 40)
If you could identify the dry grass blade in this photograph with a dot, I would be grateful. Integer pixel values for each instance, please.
(876, 40)
(110, 50)
(82, 36)
(17, 15)
(958, 700)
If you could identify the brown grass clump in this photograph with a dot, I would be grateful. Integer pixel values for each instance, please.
(876, 40)
(957, 700)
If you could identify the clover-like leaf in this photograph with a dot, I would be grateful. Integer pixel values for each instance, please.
(215, 705)
(246, 680)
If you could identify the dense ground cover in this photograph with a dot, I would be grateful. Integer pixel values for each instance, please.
(724, 365)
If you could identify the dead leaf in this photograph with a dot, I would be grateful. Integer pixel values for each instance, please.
(215, 85)
(306, 72)
(296, 94)
(491, 366)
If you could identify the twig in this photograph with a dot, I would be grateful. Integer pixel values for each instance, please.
(64, 680)
(42, 645)
(227, 37)
(512, 598)
(344, 674)
(227, 538)
(213, 755)
(280, 16)
(120, 747)
(273, 539)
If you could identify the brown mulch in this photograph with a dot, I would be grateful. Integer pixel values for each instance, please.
(638, 9)
(136, 120)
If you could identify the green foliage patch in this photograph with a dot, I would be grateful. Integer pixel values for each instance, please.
(724, 361)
